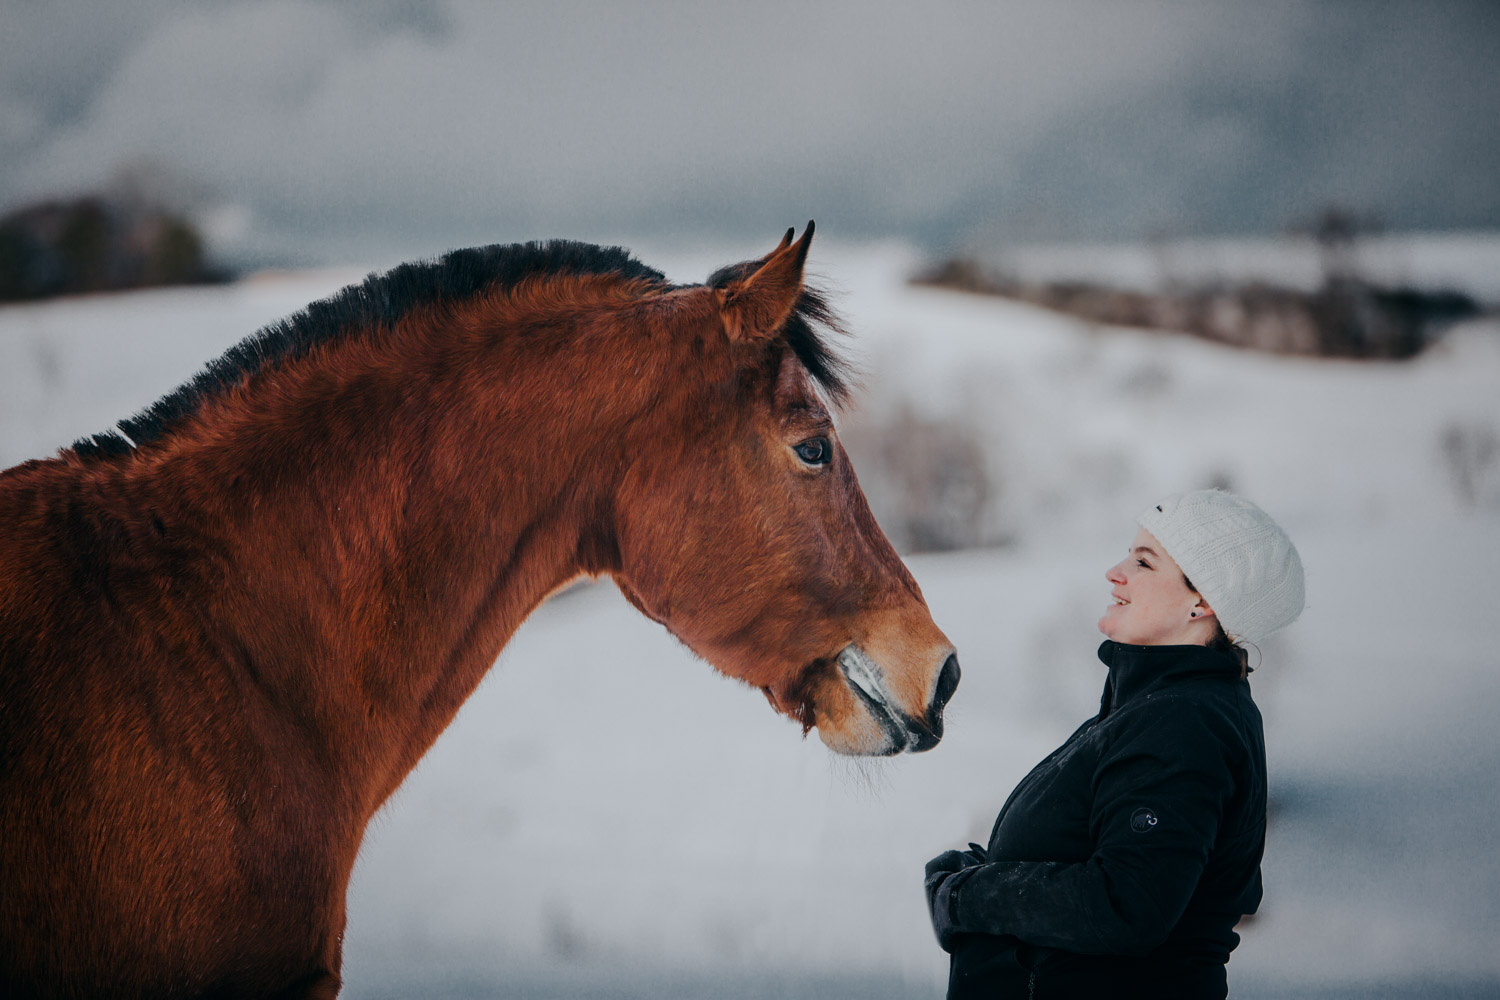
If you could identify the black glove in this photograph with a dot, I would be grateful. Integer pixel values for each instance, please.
(948, 861)
(945, 873)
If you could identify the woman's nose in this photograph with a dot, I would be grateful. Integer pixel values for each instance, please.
(1114, 574)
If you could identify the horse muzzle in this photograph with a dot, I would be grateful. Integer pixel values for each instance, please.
(903, 730)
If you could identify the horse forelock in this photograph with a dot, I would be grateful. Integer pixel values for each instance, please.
(807, 333)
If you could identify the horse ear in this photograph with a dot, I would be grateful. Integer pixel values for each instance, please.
(756, 307)
(786, 241)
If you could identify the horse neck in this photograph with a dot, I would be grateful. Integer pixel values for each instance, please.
(382, 531)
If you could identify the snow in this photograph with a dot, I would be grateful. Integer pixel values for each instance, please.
(609, 817)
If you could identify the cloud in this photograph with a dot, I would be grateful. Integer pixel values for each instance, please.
(334, 124)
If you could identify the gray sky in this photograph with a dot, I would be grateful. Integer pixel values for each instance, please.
(318, 129)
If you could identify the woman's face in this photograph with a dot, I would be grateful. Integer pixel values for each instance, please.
(1152, 605)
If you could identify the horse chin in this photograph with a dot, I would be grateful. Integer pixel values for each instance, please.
(854, 713)
(866, 737)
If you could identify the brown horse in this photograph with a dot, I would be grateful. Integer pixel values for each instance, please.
(231, 627)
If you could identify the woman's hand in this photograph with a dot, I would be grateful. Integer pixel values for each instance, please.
(949, 862)
(942, 879)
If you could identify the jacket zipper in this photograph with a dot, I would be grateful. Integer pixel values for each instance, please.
(1031, 986)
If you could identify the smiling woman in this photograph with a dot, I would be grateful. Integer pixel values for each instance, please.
(1120, 865)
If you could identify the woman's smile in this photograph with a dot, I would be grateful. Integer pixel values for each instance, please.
(1151, 603)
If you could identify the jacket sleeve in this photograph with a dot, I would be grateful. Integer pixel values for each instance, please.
(1159, 794)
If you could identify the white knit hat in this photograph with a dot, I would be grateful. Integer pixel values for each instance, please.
(1239, 559)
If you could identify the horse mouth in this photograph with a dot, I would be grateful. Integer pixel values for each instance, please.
(864, 679)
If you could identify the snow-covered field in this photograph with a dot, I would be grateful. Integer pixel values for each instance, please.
(609, 818)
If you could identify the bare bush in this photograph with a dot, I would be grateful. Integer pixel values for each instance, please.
(1471, 452)
(928, 480)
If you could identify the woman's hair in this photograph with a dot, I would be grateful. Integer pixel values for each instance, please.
(1222, 643)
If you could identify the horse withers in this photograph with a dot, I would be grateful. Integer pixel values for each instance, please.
(230, 626)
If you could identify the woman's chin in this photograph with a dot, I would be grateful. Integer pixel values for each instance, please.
(1115, 630)
(1109, 623)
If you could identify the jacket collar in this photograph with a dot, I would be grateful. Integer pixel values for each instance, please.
(1136, 670)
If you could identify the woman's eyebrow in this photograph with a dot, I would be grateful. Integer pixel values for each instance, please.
(1143, 548)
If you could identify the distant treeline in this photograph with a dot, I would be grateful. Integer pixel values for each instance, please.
(1347, 317)
(97, 244)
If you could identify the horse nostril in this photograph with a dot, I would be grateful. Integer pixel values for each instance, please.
(947, 683)
(926, 735)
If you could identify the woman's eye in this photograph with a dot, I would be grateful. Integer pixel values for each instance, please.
(1143, 564)
(814, 451)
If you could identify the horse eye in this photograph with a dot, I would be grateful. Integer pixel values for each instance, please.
(814, 451)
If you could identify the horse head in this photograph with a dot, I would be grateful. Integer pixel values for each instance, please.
(757, 548)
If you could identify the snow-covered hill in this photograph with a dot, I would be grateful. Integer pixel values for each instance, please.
(608, 817)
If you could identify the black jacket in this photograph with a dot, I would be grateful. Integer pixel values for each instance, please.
(1120, 865)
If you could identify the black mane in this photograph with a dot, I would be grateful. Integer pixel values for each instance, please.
(375, 304)
(378, 303)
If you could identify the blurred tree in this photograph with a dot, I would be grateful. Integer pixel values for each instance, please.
(96, 243)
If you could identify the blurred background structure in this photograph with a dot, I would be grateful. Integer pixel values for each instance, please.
(1091, 253)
